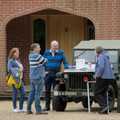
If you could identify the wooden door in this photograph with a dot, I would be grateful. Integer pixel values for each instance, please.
(68, 30)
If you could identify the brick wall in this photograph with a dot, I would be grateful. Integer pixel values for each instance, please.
(103, 13)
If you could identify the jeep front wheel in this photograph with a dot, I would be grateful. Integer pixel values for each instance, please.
(59, 103)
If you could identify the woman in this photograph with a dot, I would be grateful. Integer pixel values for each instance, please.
(15, 68)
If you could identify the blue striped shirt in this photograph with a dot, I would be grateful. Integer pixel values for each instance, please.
(37, 70)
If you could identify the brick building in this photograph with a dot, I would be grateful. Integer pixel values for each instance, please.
(68, 21)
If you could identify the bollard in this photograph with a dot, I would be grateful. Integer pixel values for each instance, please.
(108, 110)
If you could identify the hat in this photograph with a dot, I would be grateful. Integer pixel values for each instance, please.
(99, 49)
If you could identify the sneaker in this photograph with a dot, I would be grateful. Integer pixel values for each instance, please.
(21, 110)
(41, 113)
(29, 112)
(104, 111)
(46, 109)
(15, 110)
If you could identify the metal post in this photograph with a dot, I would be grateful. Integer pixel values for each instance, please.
(107, 102)
(88, 95)
(118, 96)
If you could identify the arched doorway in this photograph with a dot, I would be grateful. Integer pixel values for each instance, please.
(66, 28)
(43, 27)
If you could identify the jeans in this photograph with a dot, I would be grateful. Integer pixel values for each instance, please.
(21, 98)
(35, 94)
(49, 83)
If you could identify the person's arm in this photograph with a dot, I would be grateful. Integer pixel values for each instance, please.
(100, 67)
(42, 60)
(65, 62)
(37, 60)
(13, 70)
(45, 54)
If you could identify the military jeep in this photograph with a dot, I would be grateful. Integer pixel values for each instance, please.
(71, 84)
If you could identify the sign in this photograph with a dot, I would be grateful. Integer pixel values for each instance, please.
(80, 63)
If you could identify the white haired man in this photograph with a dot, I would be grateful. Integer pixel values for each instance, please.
(55, 58)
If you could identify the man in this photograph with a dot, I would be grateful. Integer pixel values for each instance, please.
(55, 58)
(37, 74)
(104, 77)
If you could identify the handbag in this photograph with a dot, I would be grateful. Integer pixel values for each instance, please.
(11, 81)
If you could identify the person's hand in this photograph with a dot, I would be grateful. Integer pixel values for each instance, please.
(17, 81)
(46, 73)
(97, 78)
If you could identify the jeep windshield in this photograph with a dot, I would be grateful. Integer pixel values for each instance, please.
(90, 56)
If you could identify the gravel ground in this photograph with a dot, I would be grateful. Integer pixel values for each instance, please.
(73, 112)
